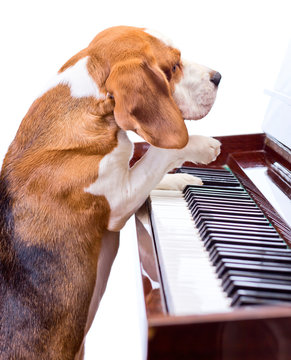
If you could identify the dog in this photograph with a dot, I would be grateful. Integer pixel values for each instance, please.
(67, 189)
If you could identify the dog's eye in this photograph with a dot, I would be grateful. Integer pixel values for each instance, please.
(175, 67)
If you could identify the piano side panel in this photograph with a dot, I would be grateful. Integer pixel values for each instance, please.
(239, 162)
(276, 148)
(152, 283)
(241, 339)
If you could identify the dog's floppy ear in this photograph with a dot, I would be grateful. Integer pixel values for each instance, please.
(144, 104)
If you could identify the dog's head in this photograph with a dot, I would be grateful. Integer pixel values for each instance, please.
(153, 88)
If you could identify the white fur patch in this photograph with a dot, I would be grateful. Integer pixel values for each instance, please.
(160, 36)
(78, 79)
(113, 174)
(195, 93)
(127, 188)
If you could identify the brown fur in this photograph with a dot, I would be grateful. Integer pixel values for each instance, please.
(137, 69)
(57, 227)
(50, 228)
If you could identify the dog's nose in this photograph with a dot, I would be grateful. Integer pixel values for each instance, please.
(216, 78)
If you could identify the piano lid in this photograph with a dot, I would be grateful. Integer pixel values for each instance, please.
(277, 121)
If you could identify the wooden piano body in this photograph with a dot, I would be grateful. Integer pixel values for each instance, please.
(250, 333)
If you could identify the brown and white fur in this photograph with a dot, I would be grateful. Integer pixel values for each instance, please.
(67, 189)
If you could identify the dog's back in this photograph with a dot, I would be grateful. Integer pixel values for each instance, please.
(50, 232)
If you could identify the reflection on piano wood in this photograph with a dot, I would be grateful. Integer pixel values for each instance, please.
(217, 284)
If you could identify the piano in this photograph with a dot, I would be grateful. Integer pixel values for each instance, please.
(215, 259)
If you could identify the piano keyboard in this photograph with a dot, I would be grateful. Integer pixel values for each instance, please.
(216, 248)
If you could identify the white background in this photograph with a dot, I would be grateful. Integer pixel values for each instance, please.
(244, 40)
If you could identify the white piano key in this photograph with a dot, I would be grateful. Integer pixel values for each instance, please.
(190, 280)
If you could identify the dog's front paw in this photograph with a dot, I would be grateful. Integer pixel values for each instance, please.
(178, 181)
(203, 149)
(212, 151)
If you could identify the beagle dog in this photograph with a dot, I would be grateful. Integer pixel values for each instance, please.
(66, 187)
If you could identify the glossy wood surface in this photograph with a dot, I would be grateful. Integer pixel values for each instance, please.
(260, 333)
(230, 144)
(152, 284)
(236, 338)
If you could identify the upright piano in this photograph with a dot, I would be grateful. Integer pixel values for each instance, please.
(245, 240)
(215, 259)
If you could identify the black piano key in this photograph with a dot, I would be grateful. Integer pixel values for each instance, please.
(228, 283)
(224, 207)
(263, 295)
(230, 208)
(232, 264)
(223, 211)
(209, 218)
(214, 200)
(208, 222)
(239, 237)
(212, 177)
(221, 240)
(254, 274)
(228, 218)
(249, 285)
(197, 207)
(219, 188)
(217, 180)
(218, 193)
(212, 230)
(208, 172)
(251, 259)
(225, 174)
(279, 260)
(195, 189)
(253, 301)
(262, 263)
(216, 250)
(229, 280)
(249, 248)
(222, 201)
(244, 203)
(261, 228)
